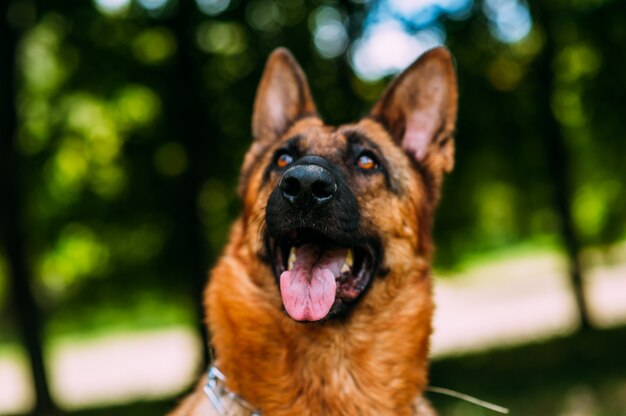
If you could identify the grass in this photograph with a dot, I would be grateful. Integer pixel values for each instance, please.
(583, 375)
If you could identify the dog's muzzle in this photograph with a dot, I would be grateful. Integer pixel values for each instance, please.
(321, 258)
(307, 186)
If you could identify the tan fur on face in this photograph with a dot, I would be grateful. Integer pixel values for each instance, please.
(375, 360)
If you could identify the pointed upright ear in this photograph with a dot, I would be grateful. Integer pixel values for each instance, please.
(282, 98)
(419, 110)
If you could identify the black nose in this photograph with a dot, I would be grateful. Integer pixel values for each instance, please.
(308, 186)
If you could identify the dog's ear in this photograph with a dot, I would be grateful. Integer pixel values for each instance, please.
(419, 110)
(282, 98)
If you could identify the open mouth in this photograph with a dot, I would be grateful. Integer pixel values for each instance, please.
(319, 276)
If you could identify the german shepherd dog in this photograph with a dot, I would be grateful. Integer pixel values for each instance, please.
(321, 303)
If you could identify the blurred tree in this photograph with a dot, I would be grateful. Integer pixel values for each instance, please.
(11, 213)
(189, 120)
(559, 171)
(537, 119)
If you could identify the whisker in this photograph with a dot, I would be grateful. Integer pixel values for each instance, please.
(468, 398)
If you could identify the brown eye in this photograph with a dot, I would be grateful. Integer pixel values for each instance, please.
(284, 159)
(367, 162)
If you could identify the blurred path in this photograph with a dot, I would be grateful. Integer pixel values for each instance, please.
(520, 301)
(106, 370)
(495, 305)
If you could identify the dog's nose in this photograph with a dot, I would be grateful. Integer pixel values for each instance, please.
(308, 186)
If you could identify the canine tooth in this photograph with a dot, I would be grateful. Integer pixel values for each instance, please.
(292, 258)
(345, 268)
(349, 259)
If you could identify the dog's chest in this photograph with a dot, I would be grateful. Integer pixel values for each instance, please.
(328, 378)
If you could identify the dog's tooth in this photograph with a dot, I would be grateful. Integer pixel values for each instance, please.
(349, 258)
(345, 268)
(292, 258)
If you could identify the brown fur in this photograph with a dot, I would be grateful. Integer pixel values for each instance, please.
(376, 360)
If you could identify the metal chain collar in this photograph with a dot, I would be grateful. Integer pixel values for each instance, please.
(221, 398)
(226, 402)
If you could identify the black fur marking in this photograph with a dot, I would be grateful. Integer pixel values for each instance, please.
(336, 223)
(339, 218)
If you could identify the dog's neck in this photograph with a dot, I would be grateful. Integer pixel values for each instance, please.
(374, 361)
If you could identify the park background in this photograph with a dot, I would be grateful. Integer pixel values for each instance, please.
(123, 126)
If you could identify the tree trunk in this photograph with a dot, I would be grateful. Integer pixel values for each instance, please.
(11, 221)
(188, 117)
(558, 160)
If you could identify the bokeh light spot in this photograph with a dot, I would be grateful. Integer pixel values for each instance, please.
(77, 253)
(112, 7)
(153, 5)
(136, 106)
(222, 38)
(577, 61)
(170, 159)
(137, 243)
(424, 12)
(154, 46)
(329, 33)
(591, 205)
(510, 20)
(44, 64)
(496, 202)
(505, 74)
(88, 116)
(108, 181)
(567, 106)
(213, 206)
(212, 7)
(265, 15)
(34, 133)
(68, 167)
(235, 67)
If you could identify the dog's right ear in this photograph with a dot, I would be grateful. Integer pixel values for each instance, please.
(282, 98)
(419, 110)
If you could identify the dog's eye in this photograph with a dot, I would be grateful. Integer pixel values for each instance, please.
(283, 159)
(367, 161)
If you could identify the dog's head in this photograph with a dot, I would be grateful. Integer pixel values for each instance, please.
(334, 208)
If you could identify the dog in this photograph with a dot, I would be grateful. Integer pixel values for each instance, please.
(321, 303)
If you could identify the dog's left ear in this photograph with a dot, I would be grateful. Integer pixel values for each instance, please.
(419, 110)
(282, 98)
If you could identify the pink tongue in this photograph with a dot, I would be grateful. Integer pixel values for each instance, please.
(308, 289)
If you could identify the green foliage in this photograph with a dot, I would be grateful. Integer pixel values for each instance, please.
(573, 375)
(133, 123)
